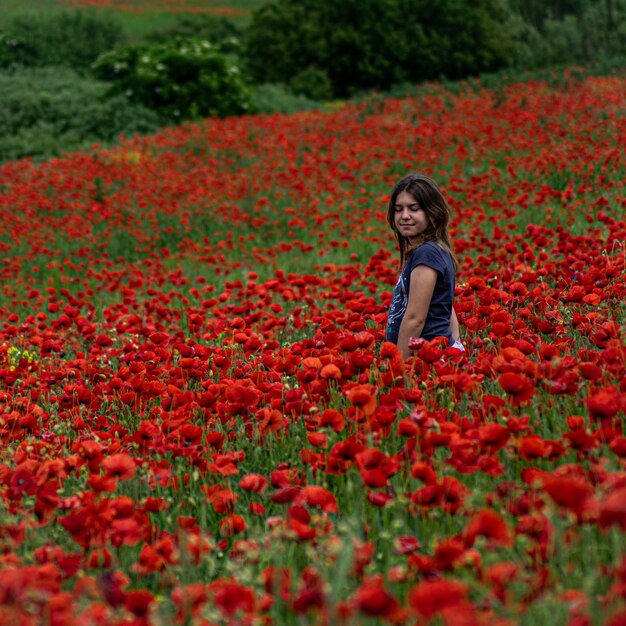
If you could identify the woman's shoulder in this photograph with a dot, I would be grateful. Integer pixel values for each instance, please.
(432, 254)
(429, 248)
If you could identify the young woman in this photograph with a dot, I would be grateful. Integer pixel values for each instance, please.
(421, 305)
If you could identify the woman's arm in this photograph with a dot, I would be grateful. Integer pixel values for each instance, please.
(422, 286)
(454, 326)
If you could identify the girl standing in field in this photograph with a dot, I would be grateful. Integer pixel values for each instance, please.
(421, 305)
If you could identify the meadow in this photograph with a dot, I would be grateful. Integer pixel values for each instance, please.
(201, 422)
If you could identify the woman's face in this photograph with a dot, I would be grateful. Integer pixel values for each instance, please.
(410, 220)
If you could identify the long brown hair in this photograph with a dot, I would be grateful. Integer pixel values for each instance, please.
(430, 199)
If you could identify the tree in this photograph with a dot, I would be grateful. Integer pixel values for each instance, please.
(457, 38)
(373, 44)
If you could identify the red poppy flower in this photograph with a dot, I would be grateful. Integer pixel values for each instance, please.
(319, 440)
(138, 602)
(314, 495)
(298, 521)
(567, 491)
(253, 482)
(424, 472)
(222, 499)
(244, 396)
(120, 466)
(374, 600)
(232, 525)
(490, 524)
(231, 597)
(406, 545)
(332, 418)
(603, 404)
(149, 561)
(449, 553)
(533, 447)
(363, 398)
(378, 499)
(493, 436)
(430, 598)
(270, 421)
(389, 350)
(501, 575)
(590, 371)
(520, 388)
(618, 446)
(613, 509)
(310, 593)
(331, 371)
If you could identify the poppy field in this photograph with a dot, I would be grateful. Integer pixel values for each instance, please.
(200, 420)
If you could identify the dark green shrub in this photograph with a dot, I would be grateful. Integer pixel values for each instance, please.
(312, 83)
(70, 39)
(181, 79)
(270, 98)
(47, 111)
(373, 44)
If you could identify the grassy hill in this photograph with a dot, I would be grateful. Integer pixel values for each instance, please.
(139, 17)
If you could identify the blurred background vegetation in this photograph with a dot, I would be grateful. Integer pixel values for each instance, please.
(74, 77)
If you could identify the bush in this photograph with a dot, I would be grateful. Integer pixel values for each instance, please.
(270, 98)
(70, 39)
(312, 83)
(373, 44)
(47, 111)
(181, 79)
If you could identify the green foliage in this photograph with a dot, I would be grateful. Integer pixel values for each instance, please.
(47, 111)
(217, 29)
(345, 40)
(459, 39)
(312, 83)
(270, 98)
(558, 32)
(369, 44)
(70, 39)
(181, 79)
(297, 53)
